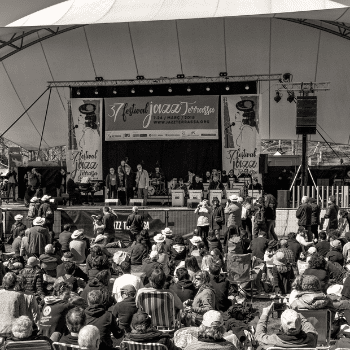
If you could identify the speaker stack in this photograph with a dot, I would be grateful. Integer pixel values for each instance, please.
(306, 115)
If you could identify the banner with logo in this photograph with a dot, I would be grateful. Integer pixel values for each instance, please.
(84, 149)
(15, 157)
(161, 118)
(240, 133)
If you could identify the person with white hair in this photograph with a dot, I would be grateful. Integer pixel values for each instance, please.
(135, 223)
(304, 214)
(89, 337)
(49, 261)
(295, 331)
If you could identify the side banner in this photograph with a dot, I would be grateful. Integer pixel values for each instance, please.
(84, 148)
(240, 133)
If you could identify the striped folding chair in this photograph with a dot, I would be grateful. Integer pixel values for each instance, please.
(160, 306)
(30, 344)
(62, 346)
(130, 345)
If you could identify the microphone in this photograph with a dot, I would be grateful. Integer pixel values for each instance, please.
(232, 124)
(74, 127)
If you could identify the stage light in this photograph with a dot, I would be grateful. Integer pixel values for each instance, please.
(170, 89)
(180, 76)
(247, 87)
(140, 77)
(99, 78)
(223, 74)
(150, 91)
(96, 92)
(188, 89)
(278, 97)
(227, 88)
(78, 92)
(287, 77)
(207, 88)
(290, 97)
(114, 91)
(132, 90)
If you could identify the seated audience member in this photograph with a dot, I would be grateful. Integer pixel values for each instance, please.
(346, 248)
(157, 281)
(309, 295)
(282, 274)
(193, 243)
(221, 287)
(184, 287)
(271, 250)
(259, 245)
(105, 321)
(75, 321)
(77, 283)
(143, 332)
(317, 267)
(192, 266)
(146, 239)
(218, 257)
(124, 310)
(96, 262)
(203, 301)
(101, 241)
(302, 237)
(213, 241)
(295, 331)
(77, 246)
(210, 334)
(288, 253)
(78, 272)
(50, 261)
(323, 246)
(54, 311)
(335, 253)
(34, 277)
(22, 330)
(65, 237)
(89, 338)
(207, 260)
(100, 282)
(24, 250)
(138, 252)
(163, 255)
(178, 251)
(294, 245)
(126, 279)
(151, 263)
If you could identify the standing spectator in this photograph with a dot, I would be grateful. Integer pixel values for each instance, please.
(46, 212)
(111, 184)
(16, 228)
(259, 217)
(138, 252)
(38, 237)
(135, 223)
(234, 211)
(33, 209)
(105, 321)
(304, 214)
(12, 183)
(332, 214)
(259, 245)
(78, 272)
(108, 222)
(270, 216)
(65, 237)
(75, 321)
(60, 182)
(335, 254)
(282, 274)
(78, 246)
(247, 211)
(204, 212)
(142, 182)
(221, 287)
(315, 217)
(184, 287)
(1, 220)
(323, 246)
(217, 219)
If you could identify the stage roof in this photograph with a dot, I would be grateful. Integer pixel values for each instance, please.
(157, 38)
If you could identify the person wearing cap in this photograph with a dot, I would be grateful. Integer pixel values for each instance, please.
(78, 246)
(125, 309)
(168, 234)
(282, 274)
(332, 214)
(295, 331)
(33, 209)
(303, 214)
(318, 267)
(38, 237)
(78, 272)
(335, 254)
(160, 246)
(135, 223)
(203, 222)
(16, 228)
(46, 211)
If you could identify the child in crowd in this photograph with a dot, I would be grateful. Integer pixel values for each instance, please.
(268, 258)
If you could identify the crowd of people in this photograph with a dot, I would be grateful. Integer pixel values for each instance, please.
(74, 290)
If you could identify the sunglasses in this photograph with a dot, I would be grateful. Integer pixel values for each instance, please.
(198, 278)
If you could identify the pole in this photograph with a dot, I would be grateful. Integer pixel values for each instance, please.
(304, 161)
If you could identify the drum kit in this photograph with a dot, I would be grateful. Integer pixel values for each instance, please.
(157, 188)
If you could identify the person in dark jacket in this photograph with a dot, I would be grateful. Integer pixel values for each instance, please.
(38, 237)
(65, 237)
(138, 252)
(73, 190)
(78, 272)
(16, 228)
(332, 214)
(60, 182)
(270, 216)
(16, 246)
(213, 241)
(50, 261)
(125, 310)
(217, 218)
(178, 251)
(318, 268)
(96, 262)
(282, 274)
(323, 246)
(75, 320)
(335, 253)
(105, 321)
(135, 222)
(221, 287)
(259, 245)
(151, 263)
(143, 332)
(46, 211)
(184, 287)
(303, 215)
(294, 245)
(197, 184)
(315, 216)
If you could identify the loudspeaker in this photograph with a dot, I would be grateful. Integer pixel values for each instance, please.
(111, 202)
(306, 115)
(192, 203)
(283, 199)
(263, 163)
(138, 202)
(58, 200)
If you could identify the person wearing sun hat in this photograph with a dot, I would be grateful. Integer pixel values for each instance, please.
(295, 331)
(335, 254)
(38, 237)
(16, 228)
(282, 274)
(168, 234)
(78, 246)
(46, 212)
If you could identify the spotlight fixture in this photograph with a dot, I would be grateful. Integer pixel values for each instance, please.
(287, 77)
(170, 89)
(114, 91)
(132, 90)
(98, 78)
(96, 91)
(188, 89)
(78, 92)
(247, 87)
(150, 91)
(278, 97)
(223, 74)
(207, 88)
(227, 88)
(180, 76)
(140, 77)
(290, 97)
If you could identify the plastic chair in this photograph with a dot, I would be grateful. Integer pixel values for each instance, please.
(30, 344)
(130, 345)
(62, 346)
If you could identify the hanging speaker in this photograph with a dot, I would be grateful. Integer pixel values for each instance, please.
(306, 122)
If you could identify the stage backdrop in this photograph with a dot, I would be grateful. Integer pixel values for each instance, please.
(161, 118)
(84, 149)
(240, 133)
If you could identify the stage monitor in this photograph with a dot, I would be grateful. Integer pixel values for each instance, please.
(195, 194)
(177, 198)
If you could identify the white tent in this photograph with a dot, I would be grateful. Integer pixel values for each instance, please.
(123, 39)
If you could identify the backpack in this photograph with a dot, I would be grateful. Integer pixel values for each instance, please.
(31, 211)
(235, 245)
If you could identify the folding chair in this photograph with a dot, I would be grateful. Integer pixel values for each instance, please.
(62, 346)
(30, 344)
(130, 345)
(161, 307)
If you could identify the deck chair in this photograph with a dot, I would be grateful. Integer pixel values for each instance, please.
(323, 324)
(62, 346)
(30, 344)
(130, 345)
(161, 307)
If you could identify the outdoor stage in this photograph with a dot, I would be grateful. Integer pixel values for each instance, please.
(180, 219)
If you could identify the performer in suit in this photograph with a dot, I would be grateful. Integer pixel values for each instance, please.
(231, 175)
(196, 184)
(255, 185)
(158, 174)
(216, 184)
(181, 186)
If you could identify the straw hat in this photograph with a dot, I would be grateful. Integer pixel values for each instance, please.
(34, 199)
(159, 238)
(38, 221)
(19, 217)
(233, 198)
(195, 240)
(77, 233)
(167, 232)
(99, 238)
(45, 198)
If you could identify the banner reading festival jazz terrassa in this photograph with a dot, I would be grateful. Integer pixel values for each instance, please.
(84, 156)
(161, 118)
(240, 133)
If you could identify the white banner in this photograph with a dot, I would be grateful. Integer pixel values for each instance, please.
(240, 133)
(84, 150)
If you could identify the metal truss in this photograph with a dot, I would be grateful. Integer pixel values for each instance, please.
(336, 28)
(303, 87)
(169, 81)
(16, 43)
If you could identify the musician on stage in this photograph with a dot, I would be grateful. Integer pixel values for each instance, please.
(216, 184)
(246, 176)
(207, 178)
(73, 189)
(129, 184)
(121, 194)
(224, 177)
(180, 186)
(232, 176)
(255, 185)
(157, 175)
(190, 176)
(142, 183)
(196, 184)
(122, 167)
(111, 184)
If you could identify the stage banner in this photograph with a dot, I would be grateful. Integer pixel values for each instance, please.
(240, 133)
(84, 148)
(161, 118)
